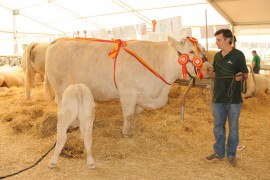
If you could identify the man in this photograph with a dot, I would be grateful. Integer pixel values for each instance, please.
(229, 69)
(256, 62)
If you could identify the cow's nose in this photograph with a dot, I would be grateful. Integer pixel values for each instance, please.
(204, 58)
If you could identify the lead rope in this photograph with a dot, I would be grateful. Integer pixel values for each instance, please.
(243, 86)
(232, 88)
(36, 163)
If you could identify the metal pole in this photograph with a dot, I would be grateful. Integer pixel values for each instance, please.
(15, 13)
(206, 36)
(234, 45)
(184, 98)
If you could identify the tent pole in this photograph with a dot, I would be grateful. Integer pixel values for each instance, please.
(206, 39)
(15, 13)
(233, 35)
(206, 32)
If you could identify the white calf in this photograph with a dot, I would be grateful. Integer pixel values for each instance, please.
(77, 103)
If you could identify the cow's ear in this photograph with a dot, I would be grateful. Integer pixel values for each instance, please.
(173, 43)
(182, 42)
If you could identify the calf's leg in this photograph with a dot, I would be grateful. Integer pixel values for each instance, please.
(64, 121)
(86, 127)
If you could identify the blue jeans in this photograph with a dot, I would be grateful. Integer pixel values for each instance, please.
(221, 112)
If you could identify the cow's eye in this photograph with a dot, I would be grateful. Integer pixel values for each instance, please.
(191, 52)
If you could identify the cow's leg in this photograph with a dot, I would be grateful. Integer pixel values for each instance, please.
(267, 91)
(138, 109)
(127, 127)
(86, 126)
(59, 92)
(128, 103)
(64, 121)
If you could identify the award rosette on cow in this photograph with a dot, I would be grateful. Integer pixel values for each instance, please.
(197, 61)
(183, 60)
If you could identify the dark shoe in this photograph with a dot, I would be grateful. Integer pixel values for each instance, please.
(213, 156)
(232, 161)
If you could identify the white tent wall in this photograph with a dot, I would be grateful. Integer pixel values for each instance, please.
(6, 44)
(6, 24)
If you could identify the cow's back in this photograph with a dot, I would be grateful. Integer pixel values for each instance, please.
(81, 61)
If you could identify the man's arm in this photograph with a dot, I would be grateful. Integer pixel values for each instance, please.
(253, 64)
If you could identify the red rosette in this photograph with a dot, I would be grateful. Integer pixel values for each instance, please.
(183, 60)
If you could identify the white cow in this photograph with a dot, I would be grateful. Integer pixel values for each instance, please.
(77, 104)
(33, 61)
(87, 62)
(257, 83)
(11, 76)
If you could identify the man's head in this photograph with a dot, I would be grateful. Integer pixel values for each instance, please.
(254, 52)
(224, 37)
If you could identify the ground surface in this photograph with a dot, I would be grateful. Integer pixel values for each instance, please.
(162, 147)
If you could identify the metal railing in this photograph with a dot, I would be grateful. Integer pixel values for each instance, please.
(10, 60)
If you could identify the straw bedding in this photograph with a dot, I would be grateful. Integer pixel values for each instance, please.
(162, 146)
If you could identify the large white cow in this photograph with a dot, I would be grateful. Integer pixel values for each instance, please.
(77, 105)
(33, 61)
(87, 62)
(257, 83)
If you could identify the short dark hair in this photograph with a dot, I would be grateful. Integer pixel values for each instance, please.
(227, 33)
(254, 51)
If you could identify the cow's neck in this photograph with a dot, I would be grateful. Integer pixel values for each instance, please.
(172, 69)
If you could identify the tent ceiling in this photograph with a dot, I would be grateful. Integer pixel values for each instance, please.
(61, 16)
(243, 12)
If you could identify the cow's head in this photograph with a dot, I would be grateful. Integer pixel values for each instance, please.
(191, 56)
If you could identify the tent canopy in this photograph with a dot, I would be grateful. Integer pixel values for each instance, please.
(61, 16)
(24, 21)
(243, 12)
(247, 16)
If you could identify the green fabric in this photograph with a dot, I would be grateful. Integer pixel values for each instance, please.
(256, 59)
(24, 46)
(233, 63)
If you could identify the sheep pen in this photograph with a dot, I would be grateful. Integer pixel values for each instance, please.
(162, 146)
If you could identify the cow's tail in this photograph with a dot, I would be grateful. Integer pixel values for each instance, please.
(29, 72)
(48, 91)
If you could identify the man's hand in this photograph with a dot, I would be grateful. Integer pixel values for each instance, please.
(210, 72)
(239, 76)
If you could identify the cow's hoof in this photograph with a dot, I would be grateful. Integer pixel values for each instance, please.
(91, 166)
(52, 165)
(127, 135)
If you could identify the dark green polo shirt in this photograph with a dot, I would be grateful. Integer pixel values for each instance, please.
(233, 63)
(257, 60)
